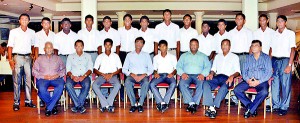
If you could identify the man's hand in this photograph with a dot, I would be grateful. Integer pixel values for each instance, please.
(81, 78)
(184, 76)
(75, 78)
(47, 77)
(54, 77)
(210, 77)
(108, 76)
(170, 75)
(12, 64)
(288, 69)
(229, 80)
(200, 77)
(134, 76)
(139, 78)
(156, 76)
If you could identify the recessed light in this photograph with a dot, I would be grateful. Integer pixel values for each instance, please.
(5, 4)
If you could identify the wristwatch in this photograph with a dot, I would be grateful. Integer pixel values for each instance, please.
(290, 64)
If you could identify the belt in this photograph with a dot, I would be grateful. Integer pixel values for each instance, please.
(243, 53)
(64, 55)
(172, 49)
(281, 58)
(90, 51)
(28, 54)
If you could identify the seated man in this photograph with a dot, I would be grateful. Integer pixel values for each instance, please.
(256, 72)
(107, 66)
(165, 68)
(49, 70)
(225, 67)
(192, 66)
(79, 67)
(137, 67)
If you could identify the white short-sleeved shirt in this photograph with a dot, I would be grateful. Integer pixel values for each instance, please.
(150, 37)
(108, 64)
(64, 43)
(227, 65)
(127, 38)
(41, 38)
(169, 33)
(165, 64)
(219, 38)
(265, 37)
(112, 34)
(21, 41)
(185, 36)
(206, 44)
(240, 40)
(283, 42)
(90, 39)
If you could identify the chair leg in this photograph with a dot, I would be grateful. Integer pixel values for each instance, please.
(91, 98)
(125, 98)
(180, 100)
(265, 109)
(152, 100)
(67, 100)
(271, 102)
(64, 94)
(38, 104)
(97, 102)
(176, 98)
(229, 95)
(239, 106)
(148, 100)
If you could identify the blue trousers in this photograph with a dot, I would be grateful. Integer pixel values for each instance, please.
(85, 84)
(129, 84)
(184, 88)
(43, 93)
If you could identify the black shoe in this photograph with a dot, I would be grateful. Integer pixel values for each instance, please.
(16, 107)
(282, 112)
(207, 112)
(111, 109)
(213, 115)
(194, 109)
(82, 109)
(276, 109)
(231, 102)
(132, 109)
(247, 114)
(48, 113)
(74, 109)
(158, 107)
(164, 107)
(268, 108)
(254, 114)
(30, 105)
(189, 108)
(42, 104)
(54, 111)
(102, 109)
(140, 108)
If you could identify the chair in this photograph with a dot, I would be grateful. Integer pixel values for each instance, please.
(253, 91)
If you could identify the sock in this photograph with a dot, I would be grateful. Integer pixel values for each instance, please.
(107, 106)
(139, 104)
(212, 108)
(191, 103)
(162, 103)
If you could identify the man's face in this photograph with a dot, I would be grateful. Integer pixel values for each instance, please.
(225, 46)
(167, 16)
(139, 44)
(127, 21)
(221, 26)
(163, 48)
(187, 21)
(107, 23)
(24, 21)
(89, 22)
(280, 23)
(66, 25)
(48, 49)
(194, 46)
(107, 46)
(144, 23)
(46, 24)
(78, 47)
(205, 28)
(255, 47)
(263, 21)
(239, 20)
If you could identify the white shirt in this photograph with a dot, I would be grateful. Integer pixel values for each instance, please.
(240, 40)
(227, 65)
(165, 64)
(64, 43)
(282, 43)
(150, 37)
(112, 34)
(41, 38)
(219, 38)
(185, 36)
(206, 44)
(127, 38)
(265, 37)
(21, 41)
(90, 39)
(108, 64)
(169, 33)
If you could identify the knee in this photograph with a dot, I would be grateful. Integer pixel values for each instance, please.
(152, 84)
(264, 93)
(117, 85)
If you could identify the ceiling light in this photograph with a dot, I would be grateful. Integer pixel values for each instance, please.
(42, 10)
(31, 6)
(5, 4)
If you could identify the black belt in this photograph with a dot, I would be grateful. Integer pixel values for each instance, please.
(243, 53)
(90, 51)
(172, 49)
(281, 58)
(64, 55)
(28, 54)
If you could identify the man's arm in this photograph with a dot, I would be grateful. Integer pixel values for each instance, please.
(178, 50)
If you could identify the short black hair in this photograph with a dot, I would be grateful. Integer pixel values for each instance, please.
(144, 17)
(3, 44)
(167, 10)
(46, 19)
(257, 41)
(282, 17)
(205, 22)
(127, 15)
(79, 41)
(140, 38)
(224, 40)
(187, 15)
(66, 19)
(108, 40)
(163, 42)
(241, 14)
(222, 20)
(89, 16)
(106, 17)
(24, 14)
(264, 15)
(194, 39)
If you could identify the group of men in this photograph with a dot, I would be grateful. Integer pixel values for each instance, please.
(207, 61)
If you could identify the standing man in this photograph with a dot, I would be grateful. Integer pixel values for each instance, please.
(186, 34)
(207, 42)
(49, 70)
(20, 47)
(107, 66)
(192, 66)
(282, 52)
(168, 31)
(137, 67)
(3, 48)
(79, 67)
(221, 34)
(256, 72)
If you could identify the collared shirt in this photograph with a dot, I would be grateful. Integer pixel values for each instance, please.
(265, 37)
(90, 39)
(169, 33)
(206, 44)
(21, 41)
(165, 64)
(193, 64)
(227, 65)
(283, 42)
(150, 37)
(127, 38)
(48, 66)
(108, 64)
(185, 36)
(112, 34)
(219, 38)
(79, 65)
(64, 43)
(137, 63)
(41, 38)
(260, 69)
(240, 40)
